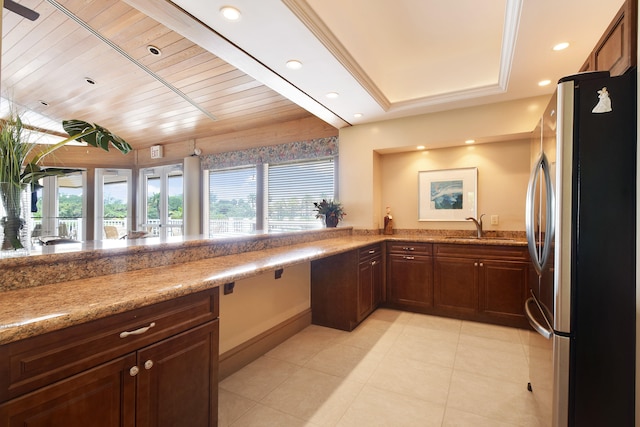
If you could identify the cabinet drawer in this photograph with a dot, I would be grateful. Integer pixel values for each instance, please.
(35, 362)
(369, 252)
(517, 253)
(413, 247)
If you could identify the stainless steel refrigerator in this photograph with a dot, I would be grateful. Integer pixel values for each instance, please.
(580, 221)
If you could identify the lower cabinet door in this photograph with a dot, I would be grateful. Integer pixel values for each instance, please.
(178, 380)
(456, 285)
(377, 273)
(100, 397)
(410, 281)
(365, 290)
(503, 291)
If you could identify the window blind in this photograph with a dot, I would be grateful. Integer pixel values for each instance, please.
(232, 200)
(292, 190)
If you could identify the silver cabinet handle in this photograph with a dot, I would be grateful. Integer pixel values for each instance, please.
(406, 248)
(374, 262)
(134, 371)
(137, 331)
(409, 257)
(481, 265)
(372, 251)
(475, 264)
(148, 364)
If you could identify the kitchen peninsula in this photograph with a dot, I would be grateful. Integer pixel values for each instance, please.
(87, 291)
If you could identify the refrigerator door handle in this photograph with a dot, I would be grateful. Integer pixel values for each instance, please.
(540, 260)
(546, 332)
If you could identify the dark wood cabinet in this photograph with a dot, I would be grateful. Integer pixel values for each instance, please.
(177, 382)
(503, 291)
(346, 288)
(369, 280)
(616, 50)
(456, 285)
(485, 283)
(103, 396)
(154, 366)
(409, 276)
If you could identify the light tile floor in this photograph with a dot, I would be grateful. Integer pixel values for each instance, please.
(396, 369)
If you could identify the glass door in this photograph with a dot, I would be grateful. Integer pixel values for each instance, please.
(71, 206)
(58, 210)
(162, 200)
(113, 203)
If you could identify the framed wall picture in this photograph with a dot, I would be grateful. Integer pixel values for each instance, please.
(447, 195)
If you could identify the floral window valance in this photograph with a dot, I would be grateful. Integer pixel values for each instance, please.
(300, 150)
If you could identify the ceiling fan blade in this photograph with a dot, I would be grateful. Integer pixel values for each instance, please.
(14, 7)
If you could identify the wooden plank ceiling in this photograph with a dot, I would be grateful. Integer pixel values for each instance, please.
(185, 93)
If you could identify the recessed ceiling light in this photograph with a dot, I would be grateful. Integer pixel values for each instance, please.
(332, 95)
(154, 50)
(230, 13)
(89, 80)
(561, 46)
(544, 82)
(357, 115)
(420, 147)
(294, 64)
(470, 141)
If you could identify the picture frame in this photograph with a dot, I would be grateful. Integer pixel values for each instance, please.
(447, 194)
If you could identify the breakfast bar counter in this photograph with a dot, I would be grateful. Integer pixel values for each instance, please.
(133, 275)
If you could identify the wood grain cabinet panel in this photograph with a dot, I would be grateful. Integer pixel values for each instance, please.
(503, 290)
(409, 276)
(161, 374)
(369, 280)
(347, 287)
(456, 285)
(616, 50)
(177, 382)
(482, 283)
(103, 396)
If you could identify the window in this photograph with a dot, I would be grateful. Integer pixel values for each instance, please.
(292, 189)
(236, 196)
(232, 200)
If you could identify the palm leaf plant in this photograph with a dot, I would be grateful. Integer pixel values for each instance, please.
(20, 167)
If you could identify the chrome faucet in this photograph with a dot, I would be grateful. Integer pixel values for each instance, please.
(478, 223)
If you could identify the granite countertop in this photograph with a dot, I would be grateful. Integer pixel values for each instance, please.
(36, 310)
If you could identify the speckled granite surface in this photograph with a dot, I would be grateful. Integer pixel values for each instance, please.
(135, 275)
(62, 263)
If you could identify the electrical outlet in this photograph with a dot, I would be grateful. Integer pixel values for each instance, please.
(494, 220)
(228, 288)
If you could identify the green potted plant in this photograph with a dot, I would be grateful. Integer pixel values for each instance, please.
(20, 166)
(331, 210)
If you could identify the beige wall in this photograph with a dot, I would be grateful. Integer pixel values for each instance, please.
(361, 165)
(261, 302)
(503, 173)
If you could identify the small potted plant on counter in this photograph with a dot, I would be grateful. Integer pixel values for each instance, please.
(331, 210)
